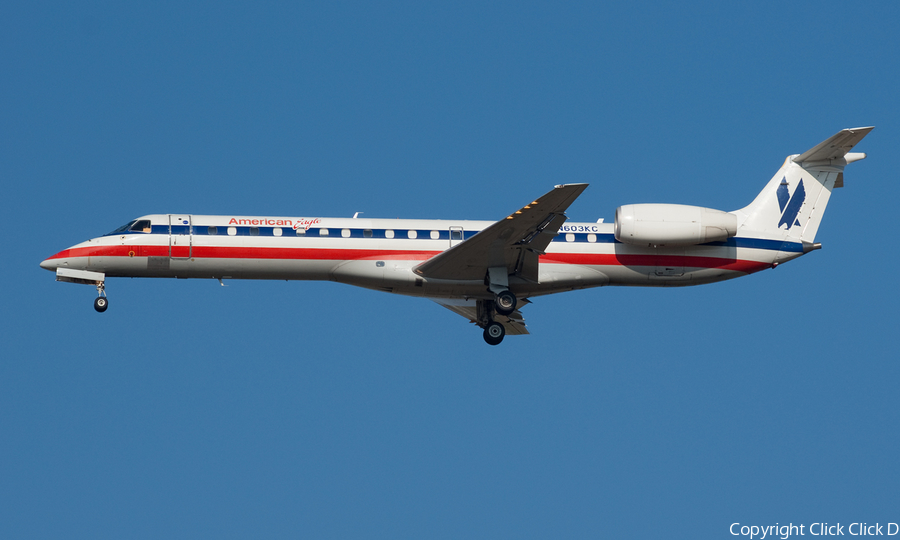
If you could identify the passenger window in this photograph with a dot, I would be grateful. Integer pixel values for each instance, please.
(367, 233)
(345, 233)
(276, 231)
(323, 232)
(213, 231)
(592, 238)
(388, 233)
(435, 235)
(570, 237)
(254, 231)
(232, 231)
(301, 232)
(411, 234)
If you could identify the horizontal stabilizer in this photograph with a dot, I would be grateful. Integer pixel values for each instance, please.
(836, 146)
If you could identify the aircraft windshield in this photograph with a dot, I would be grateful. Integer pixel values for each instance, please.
(142, 225)
(124, 228)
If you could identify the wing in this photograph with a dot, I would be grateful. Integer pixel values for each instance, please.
(514, 322)
(514, 242)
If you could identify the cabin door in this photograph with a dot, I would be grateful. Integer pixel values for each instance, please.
(180, 236)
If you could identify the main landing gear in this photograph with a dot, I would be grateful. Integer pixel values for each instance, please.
(101, 302)
(504, 303)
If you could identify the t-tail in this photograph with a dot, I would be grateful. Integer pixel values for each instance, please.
(792, 204)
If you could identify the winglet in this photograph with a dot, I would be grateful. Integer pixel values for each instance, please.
(836, 146)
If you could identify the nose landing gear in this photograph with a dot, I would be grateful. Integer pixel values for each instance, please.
(101, 302)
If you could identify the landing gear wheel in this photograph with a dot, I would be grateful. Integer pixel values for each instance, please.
(493, 333)
(505, 303)
(101, 303)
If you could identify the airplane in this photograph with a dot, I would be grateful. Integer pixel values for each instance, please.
(485, 271)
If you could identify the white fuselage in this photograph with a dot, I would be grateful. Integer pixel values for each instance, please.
(382, 253)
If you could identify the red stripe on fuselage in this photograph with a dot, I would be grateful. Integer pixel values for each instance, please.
(274, 253)
(209, 252)
(688, 261)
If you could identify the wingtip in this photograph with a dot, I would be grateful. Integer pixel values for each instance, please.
(560, 186)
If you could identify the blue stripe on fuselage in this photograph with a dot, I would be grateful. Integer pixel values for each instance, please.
(425, 234)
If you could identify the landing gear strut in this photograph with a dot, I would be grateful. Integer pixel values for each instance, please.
(101, 302)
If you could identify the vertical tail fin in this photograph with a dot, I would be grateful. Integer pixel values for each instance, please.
(792, 203)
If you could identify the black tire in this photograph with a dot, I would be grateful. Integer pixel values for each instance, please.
(100, 304)
(493, 333)
(505, 303)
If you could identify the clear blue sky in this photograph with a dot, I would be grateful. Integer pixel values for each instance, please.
(316, 410)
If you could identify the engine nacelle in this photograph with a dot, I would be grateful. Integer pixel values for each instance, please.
(672, 225)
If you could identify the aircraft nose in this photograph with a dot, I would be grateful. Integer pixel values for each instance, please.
(54, 262)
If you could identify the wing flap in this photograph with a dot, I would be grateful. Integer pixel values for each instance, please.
(514, 323)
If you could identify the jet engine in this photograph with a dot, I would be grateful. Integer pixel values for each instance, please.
(672, 225)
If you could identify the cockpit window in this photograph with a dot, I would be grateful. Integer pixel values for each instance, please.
(124, 228)
(142, 225)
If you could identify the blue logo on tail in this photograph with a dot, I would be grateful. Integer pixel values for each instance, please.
(790, 206)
